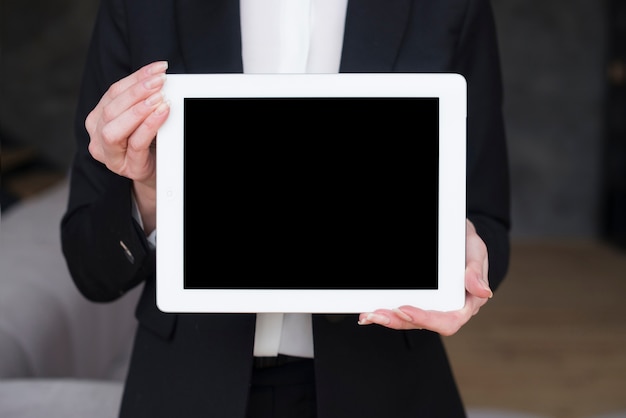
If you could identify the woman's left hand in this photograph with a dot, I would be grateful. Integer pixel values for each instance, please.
(477, 293)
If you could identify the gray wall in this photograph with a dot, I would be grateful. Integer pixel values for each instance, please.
(42, 48)
(553, 55)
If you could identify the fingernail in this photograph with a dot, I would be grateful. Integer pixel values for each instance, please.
(377, 318)
(162, 108)
(364, 321)
(486, 287)
(154, 100)
(158, 67)
(155, 81)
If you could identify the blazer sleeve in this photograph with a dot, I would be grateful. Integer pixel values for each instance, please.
(105, 249)
(488, 189)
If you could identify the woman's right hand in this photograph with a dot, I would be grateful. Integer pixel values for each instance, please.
(124, 124)
(122, 130)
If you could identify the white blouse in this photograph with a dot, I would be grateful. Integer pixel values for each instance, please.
(290, 36)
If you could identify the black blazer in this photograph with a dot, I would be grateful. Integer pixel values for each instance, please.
(199, 365)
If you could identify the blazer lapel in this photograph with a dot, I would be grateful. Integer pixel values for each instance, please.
(210, 36)
(210, 40)
(372, 34)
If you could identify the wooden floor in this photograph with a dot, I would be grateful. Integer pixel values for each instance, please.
(552, 341)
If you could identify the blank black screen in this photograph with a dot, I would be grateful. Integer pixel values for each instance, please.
(333, 193)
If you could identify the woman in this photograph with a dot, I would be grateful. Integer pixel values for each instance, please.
(372, 364)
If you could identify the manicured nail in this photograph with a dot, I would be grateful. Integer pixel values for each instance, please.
(364, 321)
(486, 287)
(158, 67)
(378, 318)
(154, 100)
(162, 108)
(155, 81)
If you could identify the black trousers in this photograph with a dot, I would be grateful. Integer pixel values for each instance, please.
(284, 391)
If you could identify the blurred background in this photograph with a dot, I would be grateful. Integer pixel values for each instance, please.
(553, 339)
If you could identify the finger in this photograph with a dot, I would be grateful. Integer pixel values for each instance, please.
(125, 93)
(445, 323)
(140, 154)
(405, 317)
(409, 317)
(143, 90)
(130, 156)
(476, 264)
(105, 130)
(389, 319)
(109, 142)
(143, 137)
(156, 68)
(476, 282)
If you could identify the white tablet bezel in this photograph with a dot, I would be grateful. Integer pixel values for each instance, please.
(450, 295)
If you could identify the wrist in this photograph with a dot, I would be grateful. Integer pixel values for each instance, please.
(145, 198)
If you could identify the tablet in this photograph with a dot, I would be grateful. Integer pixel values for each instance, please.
(321, 193)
